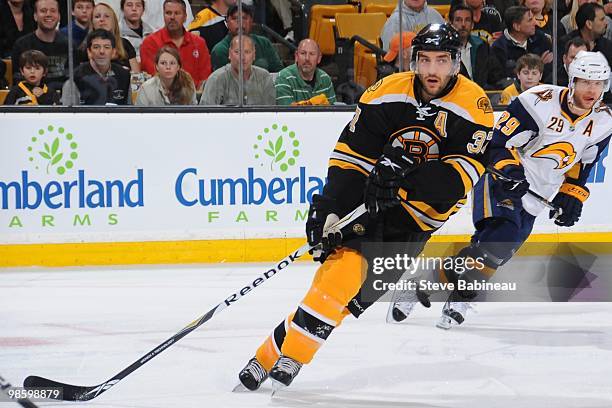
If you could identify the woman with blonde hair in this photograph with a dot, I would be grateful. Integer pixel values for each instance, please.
(171, 85)
(105, 18)
(568, 22)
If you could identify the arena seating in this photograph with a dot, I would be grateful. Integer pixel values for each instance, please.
(368, 26)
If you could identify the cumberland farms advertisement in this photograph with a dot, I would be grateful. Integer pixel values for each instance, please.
(98, 177)
(125, 177)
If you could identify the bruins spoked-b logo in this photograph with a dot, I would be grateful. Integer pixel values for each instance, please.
(562, 153)
(418, 141)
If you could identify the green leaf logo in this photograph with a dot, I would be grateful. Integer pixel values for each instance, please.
(56, 148)
(279, 145)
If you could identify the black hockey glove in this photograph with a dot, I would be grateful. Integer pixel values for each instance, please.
(570, 199)
(386, 178)
(319, 229)
(510, 183)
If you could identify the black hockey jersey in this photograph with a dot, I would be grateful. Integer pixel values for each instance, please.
(450, 132)
(21, 94)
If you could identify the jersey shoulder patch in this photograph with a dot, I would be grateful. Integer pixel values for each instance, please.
(541, 101)
(470, 101)
(393, 88)
(542, 95)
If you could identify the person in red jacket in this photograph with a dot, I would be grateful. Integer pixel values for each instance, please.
(192, 49)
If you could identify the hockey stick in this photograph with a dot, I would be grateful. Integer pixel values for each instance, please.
(551, 206)
(86, 393)
(5, 387)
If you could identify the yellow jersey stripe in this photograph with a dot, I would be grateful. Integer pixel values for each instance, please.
(574, 172)
(465, 177)
(416, 219)
(344, 148)
(432, 212)
(346, 166)
(485, 199)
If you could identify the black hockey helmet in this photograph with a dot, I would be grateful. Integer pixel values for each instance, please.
(436, 37)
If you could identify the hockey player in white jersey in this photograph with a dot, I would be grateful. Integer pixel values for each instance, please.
(547, 140)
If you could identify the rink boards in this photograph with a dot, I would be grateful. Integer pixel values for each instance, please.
(123, 188)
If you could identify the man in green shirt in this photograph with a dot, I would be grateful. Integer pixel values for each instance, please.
(267, 57)
(303, 83)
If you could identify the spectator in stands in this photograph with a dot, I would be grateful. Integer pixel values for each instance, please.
(529, 70)
(283, 10)
(572, 47)
(222, 86)
(82, 12)
(155, 14)
(267, 57)
(477, 61)
(541, 10)
(105, 18)
(592, 25)
(521, 37)
(192, 49)
(568, 22)
(393, 56)
(416, 14)
(99, 81)
(172, 85)
(487, 21)
(32, 90)
(591, 22)
(210, 22)
(16, 20)
(499, 6)
(131, 26)
(46, 39)
(303, 83)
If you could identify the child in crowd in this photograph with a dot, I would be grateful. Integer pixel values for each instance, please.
(529, 70)
(131, 25)
(32, 90)
(82, 12)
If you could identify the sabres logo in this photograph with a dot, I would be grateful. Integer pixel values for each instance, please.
(562, 153)
(544, 95)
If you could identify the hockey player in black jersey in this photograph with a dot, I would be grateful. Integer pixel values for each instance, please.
(412, 151)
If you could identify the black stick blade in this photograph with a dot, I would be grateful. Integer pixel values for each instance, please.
(69, 392)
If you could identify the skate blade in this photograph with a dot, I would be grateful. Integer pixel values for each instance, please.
(390, 318)
(240, 388)
(444, 323)
(276, 386)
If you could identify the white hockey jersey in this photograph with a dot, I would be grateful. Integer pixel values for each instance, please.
(552, 143)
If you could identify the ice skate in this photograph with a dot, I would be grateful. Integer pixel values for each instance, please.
(401, 306)
(453, 313)
(284, 371)
(252, 375)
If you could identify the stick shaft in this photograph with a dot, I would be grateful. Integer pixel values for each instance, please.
(85, 393)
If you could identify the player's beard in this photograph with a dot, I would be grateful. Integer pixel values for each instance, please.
(581, 104)
(432, 91)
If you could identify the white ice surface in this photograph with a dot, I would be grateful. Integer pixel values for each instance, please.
(82, 326)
